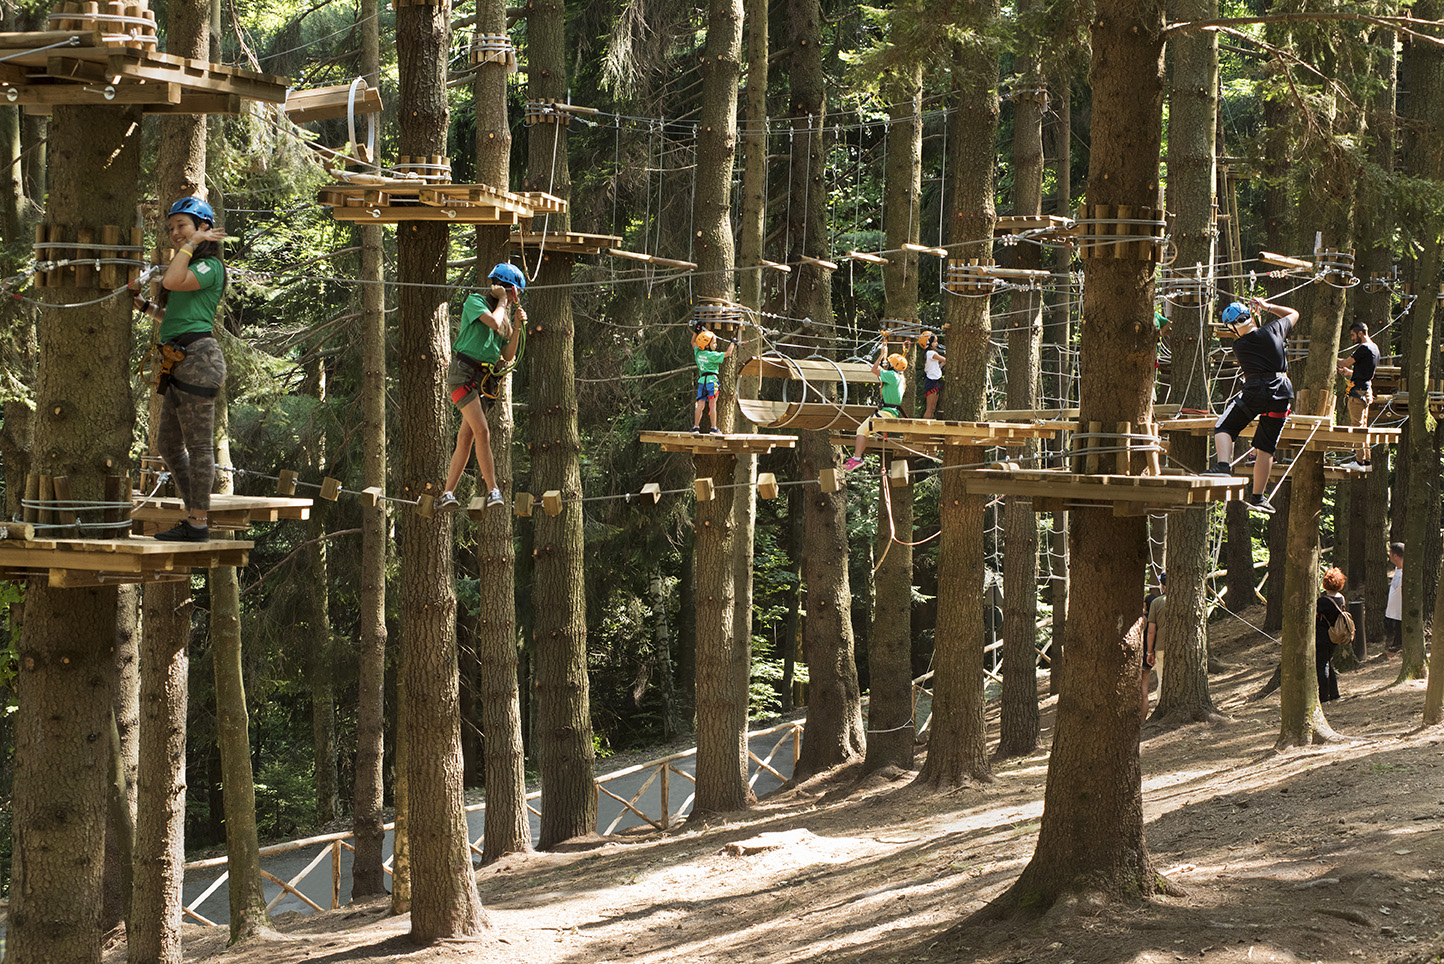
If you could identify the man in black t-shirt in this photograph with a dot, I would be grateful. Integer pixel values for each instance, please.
(1359, 368)
(1267, 393)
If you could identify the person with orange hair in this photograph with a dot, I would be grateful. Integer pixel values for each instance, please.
(889, 371)
(1330, 609)
(709, 365)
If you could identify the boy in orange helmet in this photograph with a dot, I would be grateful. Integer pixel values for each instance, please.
(889, 371)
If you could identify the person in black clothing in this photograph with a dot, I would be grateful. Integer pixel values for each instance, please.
(1267, 392)
(1359, 369)
(1329, 609)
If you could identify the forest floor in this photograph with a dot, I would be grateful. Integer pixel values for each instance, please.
(1329, 854)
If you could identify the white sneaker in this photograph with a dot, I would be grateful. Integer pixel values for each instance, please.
(448, 500)
(493, 498)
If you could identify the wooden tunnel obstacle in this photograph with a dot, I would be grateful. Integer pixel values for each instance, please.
(104, 53)
(807, 379)
(330, 103)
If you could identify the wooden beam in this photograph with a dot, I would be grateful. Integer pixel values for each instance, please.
(329, 103)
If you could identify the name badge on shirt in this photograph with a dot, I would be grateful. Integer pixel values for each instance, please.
(203, 268)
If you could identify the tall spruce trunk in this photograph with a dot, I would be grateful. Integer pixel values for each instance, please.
(1183, 695)
(444, 899)
(508, 829)
(957, 748)
(368, 872)
(1090, 842)
(834, 732)
(1423, 147)
(62, 753)
(891, 728)
(1018, 730)
(724, 628)
(125, 745)
(1056, 343)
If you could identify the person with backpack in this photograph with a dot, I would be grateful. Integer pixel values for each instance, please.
(1333, 627)
(491, 323)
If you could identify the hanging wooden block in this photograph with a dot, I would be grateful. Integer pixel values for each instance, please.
(831, 480)
(767, 485)
(286, 484)
(653, 489)
(705, 490)
(330, 488)
(521, 505)
(426, 506)
(17, 531)
(371, 496)
(897, 472)
(552, 502)
(476, 508)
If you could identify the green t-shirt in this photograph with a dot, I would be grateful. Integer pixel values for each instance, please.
(892, 388)
(708, 362)
(477, 339)
(195, 311)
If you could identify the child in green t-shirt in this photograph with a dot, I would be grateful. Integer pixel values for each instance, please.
(709, 364)
(888, 369)
(486, 338)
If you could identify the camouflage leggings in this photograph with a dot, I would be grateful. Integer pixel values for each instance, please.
(186, 437)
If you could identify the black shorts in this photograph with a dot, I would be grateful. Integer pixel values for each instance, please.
(1267, 403)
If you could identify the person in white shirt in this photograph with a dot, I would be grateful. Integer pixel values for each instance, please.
(1394, 611)
(933, 362)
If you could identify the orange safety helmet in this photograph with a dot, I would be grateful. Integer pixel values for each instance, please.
(703, 339)
(925, 339)
(898, 362)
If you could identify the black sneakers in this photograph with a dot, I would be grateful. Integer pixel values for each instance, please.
(1219, 468)
(183, 531)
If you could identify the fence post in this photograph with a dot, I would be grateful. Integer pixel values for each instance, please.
(666, 807)
(335, 874)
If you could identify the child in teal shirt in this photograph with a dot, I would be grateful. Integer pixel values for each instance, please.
(709, 364)
(888, 369)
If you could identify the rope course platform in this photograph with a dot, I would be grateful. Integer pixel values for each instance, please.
(105, 54)
(1398, 403)
(227, 512)
(1057, 490)
(733, 444)
(76, 563)
(931, 433)
(1044, 227)
(564, 242)
(379, 200)
(1301, 432)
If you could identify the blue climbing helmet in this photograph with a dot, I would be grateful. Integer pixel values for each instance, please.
(195, 207)
(1235, 313)
(509, 274)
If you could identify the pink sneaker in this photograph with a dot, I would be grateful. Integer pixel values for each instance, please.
(852, 463)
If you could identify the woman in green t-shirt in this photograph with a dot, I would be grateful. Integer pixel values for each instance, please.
(190, 292)
(486, 338)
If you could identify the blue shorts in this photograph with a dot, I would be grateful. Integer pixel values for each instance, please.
(706, 387)
(931, 386)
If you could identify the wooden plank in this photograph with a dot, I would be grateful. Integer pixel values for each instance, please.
(191, 76)
(192, 102)
(329, 103)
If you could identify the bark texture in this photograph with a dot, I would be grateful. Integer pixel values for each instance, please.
(444, 899)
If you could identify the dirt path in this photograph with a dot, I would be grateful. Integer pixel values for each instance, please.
(1330, 854)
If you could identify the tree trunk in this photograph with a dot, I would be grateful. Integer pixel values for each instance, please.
(320, 654)
(508, 829)
(957, 750)
(1018, 734)
(1183, 695)
(444, 899)
(1056, 344)
(368, 873)
(1090, 842)
(249, 916)
(891, 728)
(154, 932)
(125, 736)
(62, 755)
(1423, 147)
(724, 624)
(834, 732)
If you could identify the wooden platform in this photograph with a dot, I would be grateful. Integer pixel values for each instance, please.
(699, 444)
(565, 242)
(104, 69)
(1048, 227)
(227, 512)
(377, 200)
(1056, 490)
(937, 433)
(75, 563)
(1297, 431)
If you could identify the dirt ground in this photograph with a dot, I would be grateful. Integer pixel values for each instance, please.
(1329, 854)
